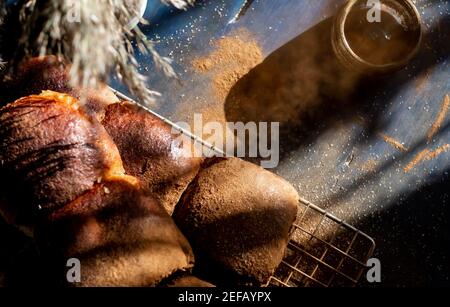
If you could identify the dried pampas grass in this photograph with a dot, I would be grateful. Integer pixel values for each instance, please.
(95, 37)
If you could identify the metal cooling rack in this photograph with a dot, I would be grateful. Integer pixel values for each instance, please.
(323, 250)
(197, 140)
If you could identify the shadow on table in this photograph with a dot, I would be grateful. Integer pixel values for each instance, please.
(303, 86)
(412, 236)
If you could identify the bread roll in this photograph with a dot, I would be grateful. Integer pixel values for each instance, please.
(49, 73)
(151, 152)
(51, 153)
(121, 237)
(237, 216)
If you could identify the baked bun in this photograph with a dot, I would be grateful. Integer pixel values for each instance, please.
(51, 152)
(237, 217)
(121, 237)
(151, 152)
(50, 73)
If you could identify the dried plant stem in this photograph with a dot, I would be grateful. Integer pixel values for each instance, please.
(95, 37)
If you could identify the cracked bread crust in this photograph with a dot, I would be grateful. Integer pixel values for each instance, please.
(51, 153)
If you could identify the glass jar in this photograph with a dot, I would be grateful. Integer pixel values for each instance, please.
(376, 36)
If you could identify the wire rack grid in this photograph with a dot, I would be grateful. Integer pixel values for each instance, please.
(323, 251)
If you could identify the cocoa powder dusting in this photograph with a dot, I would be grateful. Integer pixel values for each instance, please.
(437, 152)
(393, 142)
(369, 166)
(445, 106)
(426, 155)
(234, 56)
(416, 160)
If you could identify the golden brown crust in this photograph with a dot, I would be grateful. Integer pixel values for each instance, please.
(237, 217)
(52, 152)
(121, 237)
(151, 152)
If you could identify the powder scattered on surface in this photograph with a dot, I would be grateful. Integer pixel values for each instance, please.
(369, 166)
(416, 160)
(393, 142)
(298, 83)
(232, 58)
(426, 155)
(435, 153)
(211, 111)
(439, 119)
(423, 80)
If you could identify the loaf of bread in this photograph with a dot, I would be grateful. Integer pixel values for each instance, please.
(51, 152)
(62, 173)
(99, 179)
(237, 217)
(151, 152)
(121, 236)
(50, 73)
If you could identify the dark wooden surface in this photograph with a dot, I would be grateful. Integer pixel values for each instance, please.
(366, 158)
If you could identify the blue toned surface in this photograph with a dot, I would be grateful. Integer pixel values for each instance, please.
(370, 160)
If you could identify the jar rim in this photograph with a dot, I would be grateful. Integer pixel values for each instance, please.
(341, 35)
